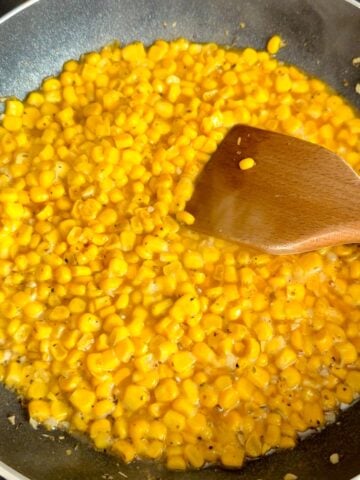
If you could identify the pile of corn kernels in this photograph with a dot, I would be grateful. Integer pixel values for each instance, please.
(116, 320)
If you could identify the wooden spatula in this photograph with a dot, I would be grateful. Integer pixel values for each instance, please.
(298, 197)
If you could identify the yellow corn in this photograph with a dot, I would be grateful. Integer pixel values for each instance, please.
(114, 316)
(247, 163)
(274, 44)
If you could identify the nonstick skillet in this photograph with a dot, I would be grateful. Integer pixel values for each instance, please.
(322, 36)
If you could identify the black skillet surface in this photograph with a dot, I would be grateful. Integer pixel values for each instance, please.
(322, 36)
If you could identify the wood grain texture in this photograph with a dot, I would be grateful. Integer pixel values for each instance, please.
(299, 196)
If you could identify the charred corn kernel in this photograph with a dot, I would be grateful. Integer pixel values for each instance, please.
(246, 163)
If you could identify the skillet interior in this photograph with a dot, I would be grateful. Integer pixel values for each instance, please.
(322, 36)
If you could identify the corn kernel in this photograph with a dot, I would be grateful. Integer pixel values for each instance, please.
(246, 163)
(174, 421)
(274, 44)
(83, 400)
(39, 410)
(135, 397)
(119, 320)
